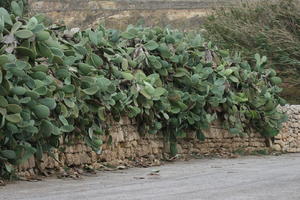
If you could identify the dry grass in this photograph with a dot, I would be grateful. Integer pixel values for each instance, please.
(271, 28)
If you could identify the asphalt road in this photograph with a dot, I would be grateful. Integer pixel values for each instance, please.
(245, 178)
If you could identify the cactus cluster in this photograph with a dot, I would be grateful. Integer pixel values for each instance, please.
(56, 83)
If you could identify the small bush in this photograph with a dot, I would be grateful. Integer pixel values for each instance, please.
(271, 28)
(7, 4)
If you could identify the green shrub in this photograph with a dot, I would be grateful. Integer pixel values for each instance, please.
(271, 28)
(7, 4)
(65, 83)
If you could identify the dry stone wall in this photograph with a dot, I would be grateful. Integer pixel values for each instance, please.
(125, 146)
(128, 147)
(289, 138)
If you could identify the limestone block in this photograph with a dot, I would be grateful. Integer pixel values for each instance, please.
(21, 174)
(285, 148)
(79, 148)
(128, 153)
(126, 145)
(62, 158)
(42, 166)
(297, 143)
(130, 133)
(155, 150)
(61, 140)
(84, 148)
(226, 145)
(88, 149)
(69, 149)
(290, 139)
(85, 158)
(226, 134)
(31, 162)
(195, 150)
(276, 147)
(278, 137)
(117, 135)
(154, 144)
(212, 144)
(108, 155)
(144, 142)
(292, 150)
(134, 143)
(256, 144)
(93, 156)
(145, 150)
(97, 165)
(213, 133)
(279, 142)
(160, 143)
(120, 153)
(200, 146)
(105, 146)
(31, 172)
(50, 163)
(76, 158)
(179, 149)
(26, 174)
(69, 159)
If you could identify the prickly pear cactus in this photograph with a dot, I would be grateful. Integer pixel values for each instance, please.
(56, 82)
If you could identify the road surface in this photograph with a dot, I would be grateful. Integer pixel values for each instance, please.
(245, 178)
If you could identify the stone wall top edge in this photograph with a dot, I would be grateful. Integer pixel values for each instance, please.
(290, 108)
